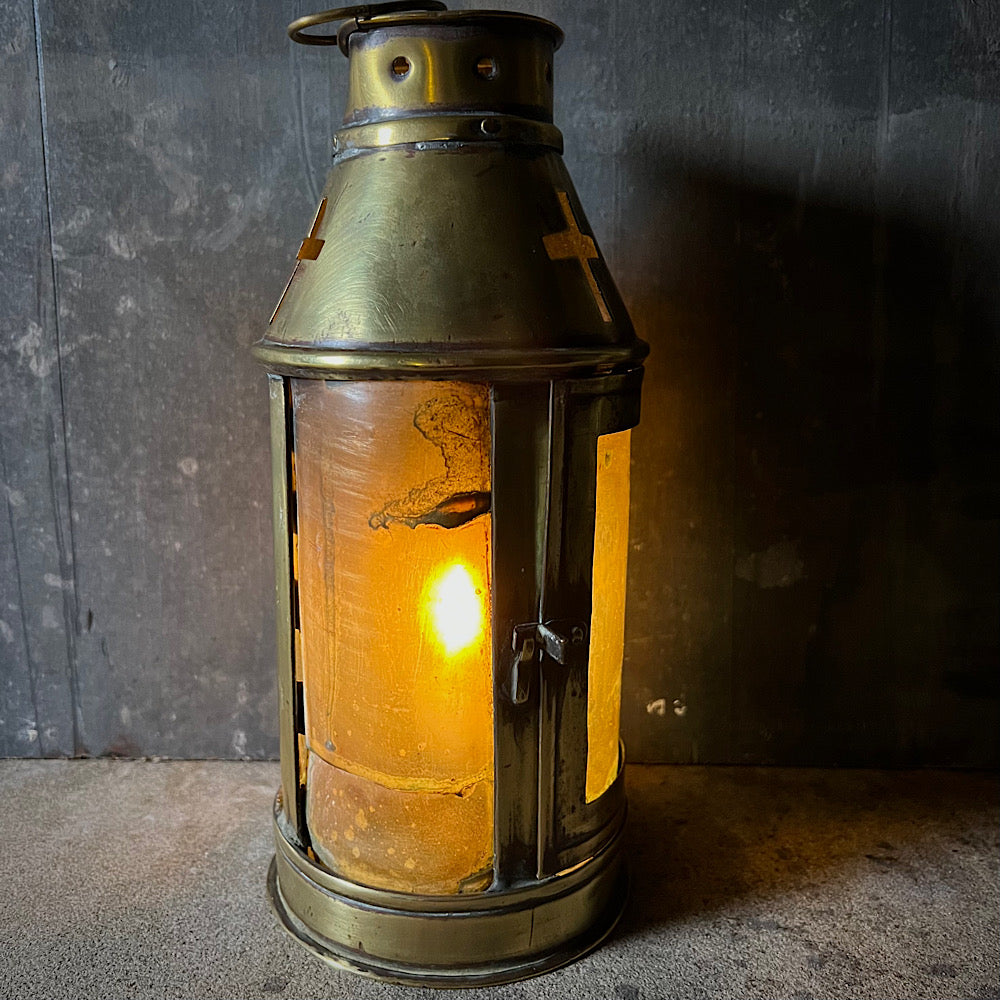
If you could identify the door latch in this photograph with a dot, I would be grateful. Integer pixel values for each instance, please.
(558, 640)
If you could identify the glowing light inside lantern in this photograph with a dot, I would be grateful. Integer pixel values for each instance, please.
(455, 608)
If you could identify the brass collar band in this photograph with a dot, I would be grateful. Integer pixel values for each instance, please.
(521, 365)
(433, 129)
(474, 939)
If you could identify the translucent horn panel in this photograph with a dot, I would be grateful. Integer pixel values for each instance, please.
(394, 532)
(607, 636)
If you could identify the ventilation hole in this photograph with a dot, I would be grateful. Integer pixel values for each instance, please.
(400, 67)
(490, 126)
(487, 68)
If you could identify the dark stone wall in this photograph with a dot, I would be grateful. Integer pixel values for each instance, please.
(800, 204)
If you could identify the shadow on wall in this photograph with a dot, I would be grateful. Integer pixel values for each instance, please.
(816, 484)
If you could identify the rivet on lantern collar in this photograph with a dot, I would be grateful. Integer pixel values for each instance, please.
(453, 382)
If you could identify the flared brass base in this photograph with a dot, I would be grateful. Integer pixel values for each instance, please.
(487, 938)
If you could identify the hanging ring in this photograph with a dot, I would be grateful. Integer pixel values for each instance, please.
(361, 12)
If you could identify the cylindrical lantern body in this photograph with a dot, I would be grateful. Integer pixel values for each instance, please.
(453, 383)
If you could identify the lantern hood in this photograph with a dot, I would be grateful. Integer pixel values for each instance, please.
(449, 238)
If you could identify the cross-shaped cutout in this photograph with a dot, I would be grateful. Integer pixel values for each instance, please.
(570, 244)
(310, 245)
(309, 250)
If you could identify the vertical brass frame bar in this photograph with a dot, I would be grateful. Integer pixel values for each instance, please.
(520, 422)
(286, 606)
(548, 743)
(566, 597)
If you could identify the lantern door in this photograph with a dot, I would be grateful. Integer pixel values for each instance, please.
(581, 788)
(561, 476)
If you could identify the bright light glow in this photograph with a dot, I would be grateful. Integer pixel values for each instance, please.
(455, 606)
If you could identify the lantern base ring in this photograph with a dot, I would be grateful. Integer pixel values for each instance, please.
(478, 939)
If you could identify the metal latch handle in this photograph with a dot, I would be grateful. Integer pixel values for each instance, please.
(557, 640)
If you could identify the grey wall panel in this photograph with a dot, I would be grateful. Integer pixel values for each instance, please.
(36, 565)
(180, 178)
(799, 202)
(800, 205)
(672, 247)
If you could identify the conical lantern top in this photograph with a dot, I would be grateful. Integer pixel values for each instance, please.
(449, 238)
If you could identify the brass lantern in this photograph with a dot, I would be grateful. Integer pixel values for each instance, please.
(453, 380)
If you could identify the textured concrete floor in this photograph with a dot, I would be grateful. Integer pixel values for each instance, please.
(125, 879)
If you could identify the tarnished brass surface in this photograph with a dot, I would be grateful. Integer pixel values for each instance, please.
(403, 270)
(289, 713)
(447, 182)
(521, 447)
(444, 71)
(474, 939)
(450, 244)
(428, 130)
(500, 365)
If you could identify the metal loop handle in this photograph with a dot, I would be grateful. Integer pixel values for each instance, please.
(361, 12)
